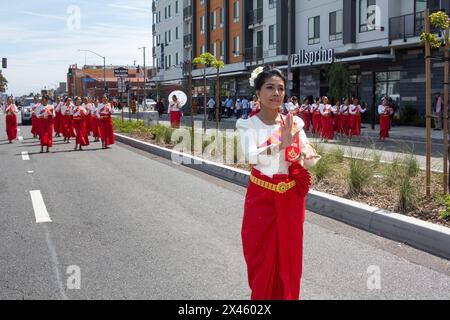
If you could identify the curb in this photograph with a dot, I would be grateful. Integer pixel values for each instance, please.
(434, 239)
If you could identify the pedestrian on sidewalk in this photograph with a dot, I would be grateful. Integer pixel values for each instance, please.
(45, 114)
(385, 111)
(211, 108)
(245, 107)
(160, 107)
(438, 111)
(274, 211)
(238, 108)
(11, 119)
(229, 107)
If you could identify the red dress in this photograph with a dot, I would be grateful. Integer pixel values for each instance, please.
(317, 119)
(67, 131)
(175, 114)
(327, 123)
(355, 120)
(306, 116)
(35, 121)
(11, 122)
(106, 125)
(46, 126)
(95, 124)
(58, 125)
(79, 125)
(385, 122)
(345, 120)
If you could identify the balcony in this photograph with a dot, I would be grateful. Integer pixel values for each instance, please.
(187, 40)
(254, 54)
(187, 13)
(407, 26)
(255, 17)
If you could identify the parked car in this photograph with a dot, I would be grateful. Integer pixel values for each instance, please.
(150, 104)
(26, 114)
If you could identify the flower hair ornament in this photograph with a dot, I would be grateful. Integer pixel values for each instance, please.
(255, 75)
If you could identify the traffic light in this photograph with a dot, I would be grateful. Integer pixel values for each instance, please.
(70, 72)
(4, 63)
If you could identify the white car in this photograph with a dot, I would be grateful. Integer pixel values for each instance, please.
(150, 104)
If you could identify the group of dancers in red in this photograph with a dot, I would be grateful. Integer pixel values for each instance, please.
(324, 119)
(71, 118)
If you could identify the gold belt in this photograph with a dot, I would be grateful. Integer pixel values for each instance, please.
(281, 187)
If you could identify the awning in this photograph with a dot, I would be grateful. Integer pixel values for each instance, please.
(222, 75)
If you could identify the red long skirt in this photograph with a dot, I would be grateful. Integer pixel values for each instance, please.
(175, 119)
(327, 128)
(35, 125)
(306, 116)
(107, 131)
(317, 123)
(337, 123)
(96, 132)
(355, 125)
(345, 122)
(58, 123)
(11, 127)
(46, 134)
(385, 121)
(88, 124)
(272, 238)
(81, 132)
(67, 127)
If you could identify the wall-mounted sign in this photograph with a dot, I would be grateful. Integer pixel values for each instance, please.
(305, 58)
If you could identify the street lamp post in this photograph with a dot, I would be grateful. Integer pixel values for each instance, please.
(104, 66)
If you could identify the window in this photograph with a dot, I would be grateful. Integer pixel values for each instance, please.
(236, 11)
(177, 9)
(314, 30)
(177, 33)
(214, 20)
(177, 59)
(165, 13)
(221, 17)
(214, 49)
(272, 37)
(272, 4)
(202, 24)
(364, 14)
(236, 50)
(170, 11)
(336, 25)
(170, 35)
(222, 50)
(202, 49)
(387, 83)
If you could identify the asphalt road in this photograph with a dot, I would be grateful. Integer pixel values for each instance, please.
(139, 227)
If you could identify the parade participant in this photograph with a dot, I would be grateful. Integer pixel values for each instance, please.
(175, 112)
(58, 125)
(79, 125)
(87, 105)
(337, 122)
(305, 111)
(295, 107)
(34, 119)
(106, 125)
(95, 121)
(272, 229)
(327, 132)
(316, 117)
(67, 117)
(385, 111)
(345, 118)
(11, 119)
(45, 114)
(255, 107)
(355, 118)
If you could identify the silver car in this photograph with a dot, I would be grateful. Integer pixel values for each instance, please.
(26, 114)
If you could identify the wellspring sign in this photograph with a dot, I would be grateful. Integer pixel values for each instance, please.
(304, 58)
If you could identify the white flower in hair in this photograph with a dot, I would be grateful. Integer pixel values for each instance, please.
(255, 74)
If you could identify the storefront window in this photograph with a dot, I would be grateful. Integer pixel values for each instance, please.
(387, 84)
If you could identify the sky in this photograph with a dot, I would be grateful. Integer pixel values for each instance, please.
(41, 38)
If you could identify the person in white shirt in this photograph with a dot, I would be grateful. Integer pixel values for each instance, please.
(211, 108)
(355, 111)
(238, 108)
(274, 213)
(175, 112)
(246, 108)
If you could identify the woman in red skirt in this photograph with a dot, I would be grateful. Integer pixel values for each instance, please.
(355, 118)
(88, 107)
(345, 118)
(254, 106)
(34, 119)
(385, 111)
(79, 125)
(58, 117)
(175, 112)
(67, 115)
(337, 123)
(316, 117)
(95, 121)
(11, 119)
(104, 113)
(274, 214)
(305, 113)
(45, 113)
(327, 120)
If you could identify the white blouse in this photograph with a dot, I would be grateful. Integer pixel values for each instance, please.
(254, 135)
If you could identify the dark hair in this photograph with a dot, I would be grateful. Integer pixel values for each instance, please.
(267, 73)
(46, 97)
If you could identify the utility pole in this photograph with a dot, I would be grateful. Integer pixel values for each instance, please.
(145, 76)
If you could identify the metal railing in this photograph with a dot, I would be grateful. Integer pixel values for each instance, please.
(255, 16)
(406, 26)
(254, 54)
(187, 40)
(187, 13)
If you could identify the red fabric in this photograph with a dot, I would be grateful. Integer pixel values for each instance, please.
(355, 125)
(96, 132)
(272, 237)
(68, 131)
(306, 116)
(79, 124)
(254, 112)
(58, 125)
(327, 128)
(107, 131)
(337, 123)
(88, 123)
(175, 118)
(35, 125)
(385, 121)
(46, 133)
(317, 122)
(345, 122)
(11, 127)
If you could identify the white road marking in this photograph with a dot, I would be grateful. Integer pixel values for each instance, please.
(40, 210)
(25, 156)
(30, 172)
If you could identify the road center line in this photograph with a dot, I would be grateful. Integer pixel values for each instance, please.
(40, 210)
(25, 156)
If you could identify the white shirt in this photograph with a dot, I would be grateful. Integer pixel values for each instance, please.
(11, 108)
(211, 103)
(384, 110)
(325, 109)
(355, 109)
(254, 135)
(174, 106)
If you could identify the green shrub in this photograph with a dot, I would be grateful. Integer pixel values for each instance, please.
(376, 160)
(407, 199)
(358, 176)
(446, 213)
(338, 155)
(392, 173)
(411, 165)
(323, 167)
